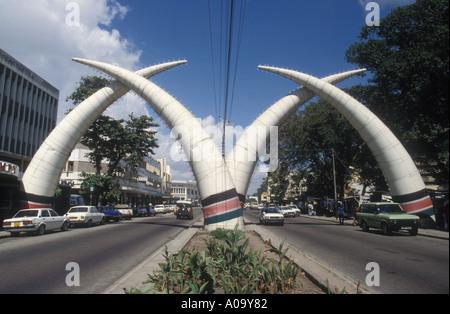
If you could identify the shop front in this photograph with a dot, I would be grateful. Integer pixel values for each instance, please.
(9, 189)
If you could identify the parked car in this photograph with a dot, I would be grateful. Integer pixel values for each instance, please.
(271, 215)
(160, 209)
(388, 217)
(110, 213)
(295, 209)
(151, 211)
(170, 208)
(85, 215)
(141, 211)
(184, 210)
(287, 211)
(35, 220)
(125, 210)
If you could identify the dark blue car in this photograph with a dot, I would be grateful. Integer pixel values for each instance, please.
(110, 213)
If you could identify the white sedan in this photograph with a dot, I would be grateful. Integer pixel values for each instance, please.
(287, 211)
(271, 215)
(160, 209)
(85, 215)
(296, 209)
(35, 220)
(127, 213)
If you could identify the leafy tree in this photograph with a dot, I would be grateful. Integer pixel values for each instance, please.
(106, 187)
(307, 142)
(279, 182)
(122, 143)
(262, 188)
(87, 86)
(408, 56)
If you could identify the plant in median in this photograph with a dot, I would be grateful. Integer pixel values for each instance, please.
(225, 264)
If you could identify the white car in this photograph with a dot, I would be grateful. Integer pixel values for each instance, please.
(169, 208)
(160, 209)
(296, 209)
(85, 215)
(287, 211)
(271, 215)
(126, 212)
(35, 220)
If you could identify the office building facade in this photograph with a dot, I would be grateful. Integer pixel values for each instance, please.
(28, 113)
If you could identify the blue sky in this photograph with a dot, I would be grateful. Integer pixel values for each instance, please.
(308, 36)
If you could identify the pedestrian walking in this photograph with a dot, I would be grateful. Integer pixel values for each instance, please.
(340, 210)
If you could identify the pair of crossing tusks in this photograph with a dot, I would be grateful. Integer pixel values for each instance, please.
(223, 182)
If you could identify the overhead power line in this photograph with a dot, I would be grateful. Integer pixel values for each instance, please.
(232, 18)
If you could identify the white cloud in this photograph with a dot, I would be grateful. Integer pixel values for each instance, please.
(43, 35)
(176, 158)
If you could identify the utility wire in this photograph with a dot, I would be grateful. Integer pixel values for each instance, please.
(212, 57)
(229, 20)
(238, 50)
(227, 87)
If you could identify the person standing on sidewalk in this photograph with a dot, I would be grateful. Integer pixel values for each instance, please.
(340, 210)
(310, 209)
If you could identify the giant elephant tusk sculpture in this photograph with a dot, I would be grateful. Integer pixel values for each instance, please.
(217, 186)
(243, 160)
(403, 177)
(221, 207)
(41, 178)
(222, 184)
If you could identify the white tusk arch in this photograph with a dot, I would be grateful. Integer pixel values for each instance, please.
(243, 159)
(221, 207)
(403, 177)
(42, 175)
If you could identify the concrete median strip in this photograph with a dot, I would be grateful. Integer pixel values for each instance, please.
(316, 270)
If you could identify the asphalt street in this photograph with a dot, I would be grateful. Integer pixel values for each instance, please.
(408, 264)
(37, 264)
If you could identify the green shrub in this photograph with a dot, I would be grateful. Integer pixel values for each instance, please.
(225, 266)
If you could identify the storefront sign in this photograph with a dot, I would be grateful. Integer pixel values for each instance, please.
(9, 168)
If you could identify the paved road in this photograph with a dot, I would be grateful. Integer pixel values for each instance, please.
(37, 264)
(407, 264)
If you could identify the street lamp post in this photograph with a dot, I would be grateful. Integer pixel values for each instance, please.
(92, 191)
(334, 177)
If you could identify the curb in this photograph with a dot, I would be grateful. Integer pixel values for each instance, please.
(325, 276)
(431, 233)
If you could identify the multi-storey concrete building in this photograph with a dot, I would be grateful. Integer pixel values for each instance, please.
(185, 190)
(28, 113)
(166, 181)
(142, 186)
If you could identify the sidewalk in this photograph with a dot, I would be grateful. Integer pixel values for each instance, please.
(440, 234)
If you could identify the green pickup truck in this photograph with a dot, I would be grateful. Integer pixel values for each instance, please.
(388, 217)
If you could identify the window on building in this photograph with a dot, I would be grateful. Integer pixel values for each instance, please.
(70, 166)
